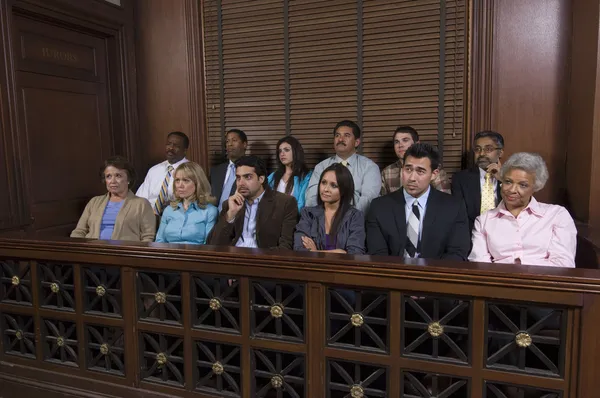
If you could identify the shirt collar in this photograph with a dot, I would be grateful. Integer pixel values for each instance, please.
(193, 205)
(482, 174)
(257, 200)
(351, 160)
(533, 208)
(175, 165)
(421, 199)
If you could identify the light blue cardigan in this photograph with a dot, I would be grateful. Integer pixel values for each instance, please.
(299, 187)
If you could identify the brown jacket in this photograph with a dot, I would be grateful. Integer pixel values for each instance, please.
(135, 221)
(275, 222)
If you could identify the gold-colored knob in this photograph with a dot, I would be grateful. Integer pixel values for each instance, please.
(100, 291)
(357, 320)
(215, 304)
(15, 280)
(54, 287)
(160, 298)
(19, 335)
(523, 339)
(357, 391)
(276, 310)
(435, 329)
(277, 381)
(161, 359)
(218, 368)
(60, 341)
(104, 349)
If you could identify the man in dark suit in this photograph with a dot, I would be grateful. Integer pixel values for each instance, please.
(417, 221)
(255, 215)
(480, 182)
(222, 177)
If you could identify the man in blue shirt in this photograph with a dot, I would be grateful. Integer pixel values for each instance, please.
(417, 221)
(365, 173)
(255, 215)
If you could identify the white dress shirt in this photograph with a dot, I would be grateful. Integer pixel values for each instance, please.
(150, 188)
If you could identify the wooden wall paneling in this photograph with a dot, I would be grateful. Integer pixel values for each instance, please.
(196, 81)
(481, 71)
(162, 75)
(531, 41)
(582, 92)
(11, 209)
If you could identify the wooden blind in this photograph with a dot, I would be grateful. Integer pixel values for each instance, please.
(277, 67)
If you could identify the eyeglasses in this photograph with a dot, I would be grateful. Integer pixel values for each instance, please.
(487, 149)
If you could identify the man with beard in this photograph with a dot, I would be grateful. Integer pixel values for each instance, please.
(255, 215)
(365, 173)
(157, 187)
(479, 187)
(222, 177)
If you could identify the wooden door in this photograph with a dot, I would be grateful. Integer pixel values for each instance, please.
(64, 116)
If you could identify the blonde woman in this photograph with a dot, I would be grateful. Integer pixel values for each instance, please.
(192, 215)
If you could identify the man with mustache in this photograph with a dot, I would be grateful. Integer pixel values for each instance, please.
(222, 177)
(417, 221)
(255, 216)
(479, 187)
(157, 187)
(365, 173)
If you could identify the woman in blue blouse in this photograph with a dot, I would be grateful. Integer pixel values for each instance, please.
(192, 215)
(334, 225)
(292, 175)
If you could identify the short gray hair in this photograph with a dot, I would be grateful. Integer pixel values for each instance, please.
(529, 162)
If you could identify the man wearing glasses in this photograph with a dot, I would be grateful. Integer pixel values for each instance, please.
(478, 187)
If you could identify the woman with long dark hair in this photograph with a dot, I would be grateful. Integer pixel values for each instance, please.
(292, 175)
(334, 225)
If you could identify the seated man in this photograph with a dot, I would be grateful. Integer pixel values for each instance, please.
(157, 187)
(367, 183)
(404, 137)
(255, 215)
(222, 176)
(479, 186)
(418, 221)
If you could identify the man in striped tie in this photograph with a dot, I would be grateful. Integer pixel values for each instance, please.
(417, 221)
(157, 187)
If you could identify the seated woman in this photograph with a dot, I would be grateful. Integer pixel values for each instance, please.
(118, 214)
(334, 225)
(292, 175)
(193, 213)
(520, 229)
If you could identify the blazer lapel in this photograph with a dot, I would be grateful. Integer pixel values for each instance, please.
(265, 210)
(428, 221)
(399, 213)
(476, 188)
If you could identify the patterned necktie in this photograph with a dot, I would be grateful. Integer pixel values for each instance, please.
(412, 231)
(488, 200)
(227, 186)
(163, 195)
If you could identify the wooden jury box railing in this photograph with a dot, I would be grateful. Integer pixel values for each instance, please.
(127, 320)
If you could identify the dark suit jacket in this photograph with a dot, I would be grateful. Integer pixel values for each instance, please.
(217, 179)
(445, 234)
(466, 186)
(275, 222)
